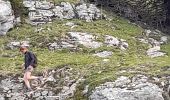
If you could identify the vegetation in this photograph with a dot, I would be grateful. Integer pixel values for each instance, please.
(19, 9)
(94, 69)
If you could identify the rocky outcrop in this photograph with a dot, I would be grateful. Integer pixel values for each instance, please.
(16, 44)
(43, 11)
(74, 40)
(152, 12)
(154, 44)
(6, 17)
(139, 87)
(59, 84)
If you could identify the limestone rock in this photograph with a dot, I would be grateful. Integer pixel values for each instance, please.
(6, 17)
(132, 90)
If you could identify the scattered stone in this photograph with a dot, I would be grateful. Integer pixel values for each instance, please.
(111, 41)
(62, 45)
(44, 93)
(85, 91)
(154, 44)
(104, 54)
(155, 52)
(85, 39)
(14, 45)
(37, 94)
(49, 89)
(164, 40)
(115, 42)
(70, 24)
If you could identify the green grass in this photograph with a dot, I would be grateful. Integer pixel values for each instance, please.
(92, 68)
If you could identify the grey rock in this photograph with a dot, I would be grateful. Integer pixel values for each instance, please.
(40, 98)
(53, 46)
(44, 5)
(37, 94)
(111, 41)
(51, 79)
(124, 46)
(58, 12)
(2, 97)
(16, 91)
(6, 17)
(41, 12)
(153, 42)
(29, 3)
(85, 91)
(89, 13)
(85, 39)
(61, 45)
(104, 54)
(45, 13)
(17, 20)
(122, 81)
(115, 42)
(164, 39)
(13, 45)
(16, 44)
(141, 91)
(67, 7)
(155, 52)
(44, 93)
(70, 24)
(52, 98)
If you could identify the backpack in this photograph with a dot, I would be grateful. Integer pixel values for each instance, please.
(35, 61)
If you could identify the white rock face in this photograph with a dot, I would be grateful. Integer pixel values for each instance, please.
(89, 13)
(6, 17)
(125, 89)
(44, 11)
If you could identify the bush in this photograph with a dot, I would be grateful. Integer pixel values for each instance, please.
(19, 9)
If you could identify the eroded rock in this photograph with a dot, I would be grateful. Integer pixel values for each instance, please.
(55, 85)
(41, 12)
(6, 17)
(139, 88)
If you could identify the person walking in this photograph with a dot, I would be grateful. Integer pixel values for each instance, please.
(30, 62)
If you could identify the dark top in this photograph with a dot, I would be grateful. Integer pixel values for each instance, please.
(29, 59)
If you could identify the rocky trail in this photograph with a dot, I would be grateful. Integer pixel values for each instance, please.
(59, 84)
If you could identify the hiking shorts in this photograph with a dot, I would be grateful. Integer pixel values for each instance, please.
(29, 69)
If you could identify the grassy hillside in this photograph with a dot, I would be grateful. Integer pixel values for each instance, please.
(94, 69)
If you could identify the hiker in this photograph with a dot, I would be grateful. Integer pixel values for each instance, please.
(29, 64)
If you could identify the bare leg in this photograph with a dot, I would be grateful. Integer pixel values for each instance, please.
(27, 77)
(27, 83)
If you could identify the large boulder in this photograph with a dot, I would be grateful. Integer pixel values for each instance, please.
(6, 17)
(88, 12)
(137, 88)
(45, 11)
